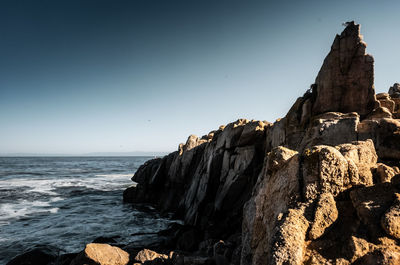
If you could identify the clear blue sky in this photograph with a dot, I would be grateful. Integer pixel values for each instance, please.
(118, 76)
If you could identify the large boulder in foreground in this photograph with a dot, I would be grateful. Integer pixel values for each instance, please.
(345, 82)
(101, 254)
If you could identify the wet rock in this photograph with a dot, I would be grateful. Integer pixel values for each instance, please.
(102, 254)
(39, 255)
(220, 250)
(102, 239)
(189, 240)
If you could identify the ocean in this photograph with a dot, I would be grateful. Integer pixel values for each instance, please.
(67, 202)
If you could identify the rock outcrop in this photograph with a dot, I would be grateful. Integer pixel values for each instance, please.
(319, 186)
(345, 82)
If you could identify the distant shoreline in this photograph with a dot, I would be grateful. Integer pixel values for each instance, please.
(128, 154)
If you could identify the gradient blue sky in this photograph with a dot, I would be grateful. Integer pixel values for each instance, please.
(119, 76)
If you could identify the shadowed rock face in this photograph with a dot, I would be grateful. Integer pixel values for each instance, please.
(319, 186)
(345, 82)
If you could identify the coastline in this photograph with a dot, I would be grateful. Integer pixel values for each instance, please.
(296, 191)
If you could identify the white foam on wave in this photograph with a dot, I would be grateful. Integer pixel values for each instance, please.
(114, 175)
(33, 185)
(48, 186)
(102, 182)
(21, 208)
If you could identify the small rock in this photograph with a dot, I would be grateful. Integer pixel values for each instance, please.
(149, 255)
(385, 173)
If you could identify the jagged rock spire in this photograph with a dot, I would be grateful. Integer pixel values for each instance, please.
(345, 82)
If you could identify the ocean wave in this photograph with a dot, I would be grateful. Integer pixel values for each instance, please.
(49, 186)
(22, 208)
(114, 175)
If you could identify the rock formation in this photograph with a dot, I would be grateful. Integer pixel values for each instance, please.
(319, 186)
(345, 82)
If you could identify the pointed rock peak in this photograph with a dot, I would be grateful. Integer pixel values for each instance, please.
(345, 82)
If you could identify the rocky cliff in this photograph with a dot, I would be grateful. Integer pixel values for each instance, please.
(319, 186)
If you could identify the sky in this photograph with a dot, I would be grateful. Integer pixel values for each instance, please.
(142, 75)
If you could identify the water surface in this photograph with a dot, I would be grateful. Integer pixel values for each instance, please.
(67, 202)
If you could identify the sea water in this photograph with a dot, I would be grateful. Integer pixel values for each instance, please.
(67, 202)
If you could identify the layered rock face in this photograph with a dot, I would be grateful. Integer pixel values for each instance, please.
(319, 186)
(208, 180)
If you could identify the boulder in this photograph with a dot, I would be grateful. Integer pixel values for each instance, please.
(102, 254)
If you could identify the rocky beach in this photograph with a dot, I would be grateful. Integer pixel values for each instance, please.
(318, 186)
